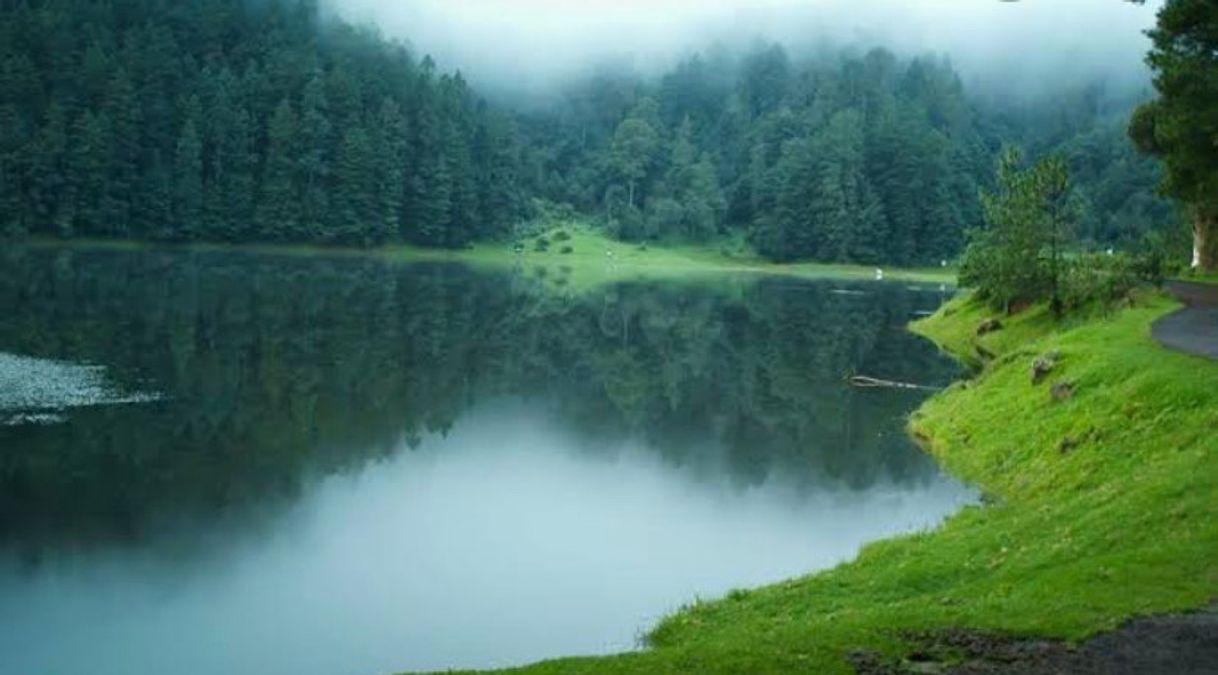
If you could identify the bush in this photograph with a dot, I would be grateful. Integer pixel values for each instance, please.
(1097, 279)
(1152, 261)
(541, 245)
(567, 250)
(562, 235)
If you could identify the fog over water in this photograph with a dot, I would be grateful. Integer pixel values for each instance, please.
(527, 46)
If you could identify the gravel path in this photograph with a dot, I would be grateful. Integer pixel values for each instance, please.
(1194, 329)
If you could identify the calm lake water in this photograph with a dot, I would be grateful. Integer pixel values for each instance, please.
(225, 463)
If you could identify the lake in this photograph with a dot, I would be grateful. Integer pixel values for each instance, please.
(228, 463)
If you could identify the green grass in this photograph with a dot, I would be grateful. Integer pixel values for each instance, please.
(594, 260)
(1070, 543)
(1199, 277)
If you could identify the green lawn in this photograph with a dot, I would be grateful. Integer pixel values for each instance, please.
(1100, 507)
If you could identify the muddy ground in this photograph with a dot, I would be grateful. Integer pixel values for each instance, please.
(1176, 644)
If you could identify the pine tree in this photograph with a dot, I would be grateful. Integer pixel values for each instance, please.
(429, 186)
(315, 151)
(12, 173)
(390, 137)
(355, 200)
(50, 198)
(90, 161)
(634, 146)
(188, 182)
(122, 171)
(498, 152)
(458, 130)
(279, 203)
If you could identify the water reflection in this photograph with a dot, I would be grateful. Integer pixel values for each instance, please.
(362, 467)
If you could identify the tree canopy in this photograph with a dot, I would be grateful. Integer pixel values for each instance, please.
(233, 121)
(1181, 125)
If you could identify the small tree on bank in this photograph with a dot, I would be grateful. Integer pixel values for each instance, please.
(1017, 257)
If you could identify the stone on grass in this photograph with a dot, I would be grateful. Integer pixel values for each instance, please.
(1062, 390)
(1043, 365)
(989, 326)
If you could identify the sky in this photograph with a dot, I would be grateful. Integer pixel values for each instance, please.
(531, 45)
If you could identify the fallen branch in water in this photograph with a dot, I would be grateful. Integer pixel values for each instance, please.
(874, 383)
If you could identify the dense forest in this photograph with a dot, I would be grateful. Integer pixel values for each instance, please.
(232, 120)
(848, 157)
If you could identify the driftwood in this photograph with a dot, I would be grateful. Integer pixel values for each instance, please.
(875, 383)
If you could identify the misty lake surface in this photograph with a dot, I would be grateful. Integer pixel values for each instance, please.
(228, 463)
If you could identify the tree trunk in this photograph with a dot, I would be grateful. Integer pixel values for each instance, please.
(1205, 242)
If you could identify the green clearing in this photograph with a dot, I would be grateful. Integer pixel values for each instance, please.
(1077, 535)
(594, 259)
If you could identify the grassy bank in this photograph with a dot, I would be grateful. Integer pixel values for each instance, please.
(1101, 507)
(585, 259)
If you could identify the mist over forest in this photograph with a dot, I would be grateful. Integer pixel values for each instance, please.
(834, 131)
(1007, 50)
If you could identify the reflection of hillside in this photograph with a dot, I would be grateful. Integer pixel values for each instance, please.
(277, 371)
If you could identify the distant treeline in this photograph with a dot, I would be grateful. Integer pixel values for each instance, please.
(851, 157)
(231, 120)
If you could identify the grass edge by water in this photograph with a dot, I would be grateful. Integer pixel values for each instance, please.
(1098, 510)
(593, 260)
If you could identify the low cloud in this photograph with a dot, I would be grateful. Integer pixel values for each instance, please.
(526, 46)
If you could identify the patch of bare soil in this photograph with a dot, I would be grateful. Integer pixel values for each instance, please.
(1175, 644)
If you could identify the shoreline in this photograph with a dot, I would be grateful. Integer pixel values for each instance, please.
(593, 260)
(1098, 512)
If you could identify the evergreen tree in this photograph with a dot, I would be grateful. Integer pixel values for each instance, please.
(89, 164)
(457, 131)
(1181, 125)
(188, 182)
(389, 138)
(355, 199)
(314, 144)
(429, 184)
(50, 197)
(122, 174)
(634, 146)
(12, 171)
(279, 201)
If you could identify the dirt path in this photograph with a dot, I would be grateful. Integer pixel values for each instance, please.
(1175, 644)
(1194, 329)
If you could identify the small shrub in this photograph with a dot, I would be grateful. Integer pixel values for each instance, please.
(1150, 264)
(541, 245)
(567, 250)
(1097, 278)
(562, 235)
